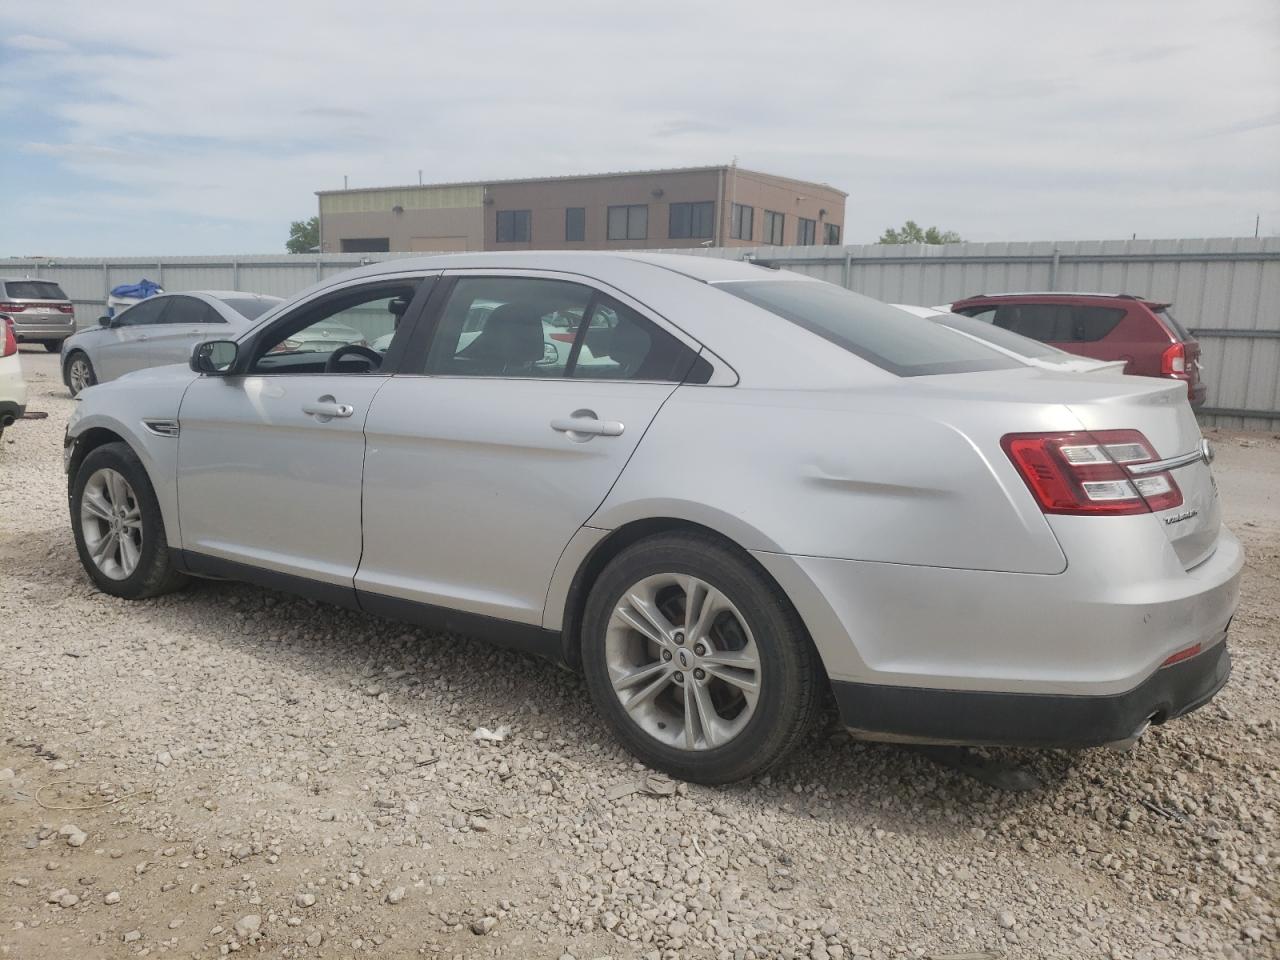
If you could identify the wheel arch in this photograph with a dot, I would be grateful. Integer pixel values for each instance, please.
(66, 364)
(614, 542)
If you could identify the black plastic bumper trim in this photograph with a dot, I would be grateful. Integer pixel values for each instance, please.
(918, 714)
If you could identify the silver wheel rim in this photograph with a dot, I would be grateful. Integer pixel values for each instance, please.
(682, 661)
(79, 375)
(111, 523)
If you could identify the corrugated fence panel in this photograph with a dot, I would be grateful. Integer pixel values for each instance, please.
(1226, 290)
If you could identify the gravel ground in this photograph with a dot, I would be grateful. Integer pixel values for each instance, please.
(295, 780)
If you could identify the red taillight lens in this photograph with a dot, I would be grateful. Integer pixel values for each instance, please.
(8, 342)
(564, 337)
(66, 308)
(1173, 362)
(1085, 473)
(12, 307)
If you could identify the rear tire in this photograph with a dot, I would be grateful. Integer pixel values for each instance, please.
(118, 527)
(697, 661)
(52, 346)
(80, 372)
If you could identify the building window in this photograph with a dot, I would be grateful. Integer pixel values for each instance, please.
(692, 220)
(513, 226)
(806, 232)
(366, 245)
(743, 222)
(832, 234)
(773, 223)
(575, 224)
(629, 223)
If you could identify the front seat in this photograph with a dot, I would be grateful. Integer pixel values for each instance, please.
(510, 342)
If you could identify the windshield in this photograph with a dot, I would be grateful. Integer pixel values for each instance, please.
(892, 339)
(999, 336)
(33, 290)
(251, 308)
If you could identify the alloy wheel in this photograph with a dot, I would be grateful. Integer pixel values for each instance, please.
(78, 374)
(111, 523)
(682, 661)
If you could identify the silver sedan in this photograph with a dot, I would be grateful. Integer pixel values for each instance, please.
(761, 491)
(156, 331)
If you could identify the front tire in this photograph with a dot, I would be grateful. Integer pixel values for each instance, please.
(118, 527)
(80, 373)
(697, 661)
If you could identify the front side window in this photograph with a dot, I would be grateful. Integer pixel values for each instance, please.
(743, 222)
(190, 310)
(773, 225)
(896, 341)
(629, 222)
(513, 226)
(806, 232)
(692, 220)
(575, 224)
(365, 319)
(145, 313)
(832, 234)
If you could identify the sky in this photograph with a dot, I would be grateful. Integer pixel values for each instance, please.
(137, 128)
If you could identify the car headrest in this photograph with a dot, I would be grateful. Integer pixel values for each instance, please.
(512, 334)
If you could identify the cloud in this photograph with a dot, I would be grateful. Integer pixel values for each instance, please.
(33, 44)
(998, 120)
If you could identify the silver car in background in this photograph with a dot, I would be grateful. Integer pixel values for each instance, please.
(761, 489)
(156, 331)
(41, 312)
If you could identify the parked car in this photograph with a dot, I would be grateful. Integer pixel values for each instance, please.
(156, 331)
(13, 388)
(1029, 351)
(40, 311)
(775, 486)
(1141, 332)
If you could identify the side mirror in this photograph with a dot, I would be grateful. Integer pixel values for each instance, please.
(214, 358)
(104, 321)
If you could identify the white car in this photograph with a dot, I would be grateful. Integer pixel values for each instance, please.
(156, 331)
(13, 388)
(1030, 351)
(774, 489)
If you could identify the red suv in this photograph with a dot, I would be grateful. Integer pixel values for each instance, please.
(1103, 326)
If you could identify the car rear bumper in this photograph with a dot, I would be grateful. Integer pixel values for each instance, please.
(923, 715)
(43, 328)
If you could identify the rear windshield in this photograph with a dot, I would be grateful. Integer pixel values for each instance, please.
(892, 339)
(251, 308)
(1181, 332)
(1007, 339)
(33, 290)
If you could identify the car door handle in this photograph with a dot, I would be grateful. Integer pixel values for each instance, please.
(584, 425)
(142, 336)
(326, 408)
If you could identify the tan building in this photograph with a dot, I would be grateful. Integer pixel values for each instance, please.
(687, 207)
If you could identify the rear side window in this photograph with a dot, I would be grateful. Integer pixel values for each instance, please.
(146, 312)
(1051, 322)
(892, 339)
(33, 290)
(190, 310)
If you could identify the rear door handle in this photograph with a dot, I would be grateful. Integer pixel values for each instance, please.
(583, 425)
(326, 408)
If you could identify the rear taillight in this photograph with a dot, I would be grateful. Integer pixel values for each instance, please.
(1173, 362)
(12, 307)
(1086, 473)
(66, 308)
(564, 337)
(8, 342)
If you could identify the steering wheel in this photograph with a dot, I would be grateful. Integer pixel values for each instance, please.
(373, 356)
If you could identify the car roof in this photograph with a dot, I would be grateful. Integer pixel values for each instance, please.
(222, 294)
(602, 264)
(1065, 293)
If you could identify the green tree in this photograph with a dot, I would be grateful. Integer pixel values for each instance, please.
(304, 236)
(912, 232)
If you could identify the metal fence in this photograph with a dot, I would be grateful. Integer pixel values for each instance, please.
(1227, 291)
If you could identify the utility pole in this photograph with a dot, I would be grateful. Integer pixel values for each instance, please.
(1257, 222)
